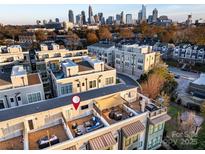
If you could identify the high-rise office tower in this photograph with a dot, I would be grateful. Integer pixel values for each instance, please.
(128, 19)
(154, 15)
(83, 17)
(140, 15)
(57, 20)
(79, 19)
(122, 18)
(70, 16)
(110, 20)
(144, 18)
(96, 18)
(100, 16)
(118, 19)
(90, 14)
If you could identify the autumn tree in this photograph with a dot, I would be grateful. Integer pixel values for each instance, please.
(126, 33)
(73, 39)
(104, 33)
(92, 37)
(164, 99)
(152, 87)
(41, 35)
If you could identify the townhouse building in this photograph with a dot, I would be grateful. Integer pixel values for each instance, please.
(80, 74)
(10, 54)
(189, 53)
(17, 87)
(134, 60)
(113, 117)
(104, 52)
(50, 54)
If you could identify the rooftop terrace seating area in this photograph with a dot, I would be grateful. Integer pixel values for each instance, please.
(85, 125)
(47, 137)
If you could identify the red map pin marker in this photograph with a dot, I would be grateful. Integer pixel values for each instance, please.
(76, 101)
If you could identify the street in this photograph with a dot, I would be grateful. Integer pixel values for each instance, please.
(127, 79)
(184, 79)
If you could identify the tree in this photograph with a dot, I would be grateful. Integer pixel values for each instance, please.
(202, 109)
(152, 87)
(165, 99)
(41, 35)
(73, 39)
(92, 37)
(104, 33)
(126, 33)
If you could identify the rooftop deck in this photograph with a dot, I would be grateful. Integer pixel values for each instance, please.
(84, 125)
(116, 114)
(56, 130)
(134, 105)
(12, 144)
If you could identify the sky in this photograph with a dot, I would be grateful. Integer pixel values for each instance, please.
(18, 14)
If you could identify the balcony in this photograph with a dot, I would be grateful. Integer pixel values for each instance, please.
(85, 124)
(47, 137)
(15, 143)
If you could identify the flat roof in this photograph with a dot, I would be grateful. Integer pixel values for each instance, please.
(50, 104)
(84, 66)
(33, 79)
(5, 77)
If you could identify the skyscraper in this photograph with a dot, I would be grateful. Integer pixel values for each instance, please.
(110, 20)
(144, 18)
(100, 16)
(90, 14)
(154, 15)
(122, 18)
(128, 19)
(96, 18)
(83, 17)
(140, 15)
(118, 19)
(70, 16)
(57, 20)
(79, 19)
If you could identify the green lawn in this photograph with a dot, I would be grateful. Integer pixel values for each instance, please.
(171, 126)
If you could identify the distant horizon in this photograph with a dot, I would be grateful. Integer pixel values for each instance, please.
(28, 14)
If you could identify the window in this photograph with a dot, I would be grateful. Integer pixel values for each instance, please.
(30, 123)
(19, 98)
(139, 67)
(127, 64)
(117, 56)
(83, 84)
(34, 97)
(117, 62)
(92, 84)
(78, 85)
(160, 126)
(66, 89)
(135, 138)
(11, 99)
(127, 141)
(109, 80)
(151, 129)
(2, 104)
(84, 107)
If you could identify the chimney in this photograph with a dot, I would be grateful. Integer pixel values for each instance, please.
(142, 105)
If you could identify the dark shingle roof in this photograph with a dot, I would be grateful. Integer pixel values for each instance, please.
(16, 112)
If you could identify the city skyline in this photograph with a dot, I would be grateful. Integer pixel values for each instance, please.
(31, 13)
